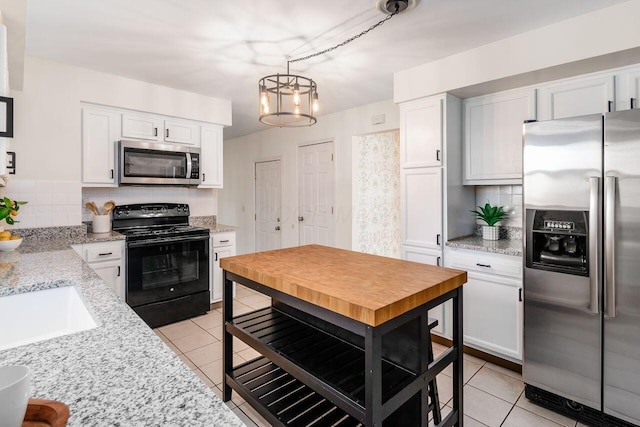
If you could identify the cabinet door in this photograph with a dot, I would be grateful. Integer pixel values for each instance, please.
(421, 207)
(576, 97)
(181, 132)
(100, 131)
(141, 126)
(493, 136)
(211, 156)
(442, 312)
(493, 315)
(111, 272)
(634, 90)
(222, 252)
(421, 133)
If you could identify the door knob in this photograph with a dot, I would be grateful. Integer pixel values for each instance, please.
(278, 228)
(300, 218)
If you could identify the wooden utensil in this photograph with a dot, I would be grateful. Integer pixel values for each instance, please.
(92, 207)
(50, 413)
(108, 207)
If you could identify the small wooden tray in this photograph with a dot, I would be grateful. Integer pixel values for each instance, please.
(45, 413)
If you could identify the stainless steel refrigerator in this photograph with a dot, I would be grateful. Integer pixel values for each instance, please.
(581, 192)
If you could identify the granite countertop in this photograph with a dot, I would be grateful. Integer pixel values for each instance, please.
(503, 246)
(119, 373)
(219, 228)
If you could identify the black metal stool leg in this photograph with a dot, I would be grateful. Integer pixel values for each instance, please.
(434, 406)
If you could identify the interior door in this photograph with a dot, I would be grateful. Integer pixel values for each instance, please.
(316, 194)
(621, 375)
(268, 205)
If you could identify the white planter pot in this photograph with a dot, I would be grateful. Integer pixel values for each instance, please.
(490, 232)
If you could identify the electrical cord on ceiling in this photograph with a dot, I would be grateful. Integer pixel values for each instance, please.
(357, 36)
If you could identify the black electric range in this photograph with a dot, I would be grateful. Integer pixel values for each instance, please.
(167, 262)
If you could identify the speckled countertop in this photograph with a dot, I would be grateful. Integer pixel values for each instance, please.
(119, 373)
(502, 246)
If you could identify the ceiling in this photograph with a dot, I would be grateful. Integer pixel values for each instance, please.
(222, 48)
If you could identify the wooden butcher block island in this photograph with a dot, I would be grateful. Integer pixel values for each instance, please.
(345, 341)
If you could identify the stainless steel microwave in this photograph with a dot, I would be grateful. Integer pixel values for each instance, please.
(149, 163)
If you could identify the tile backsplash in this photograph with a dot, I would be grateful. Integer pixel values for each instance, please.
(61, 203)
(508, 196)
(51, 203)
(202, 201)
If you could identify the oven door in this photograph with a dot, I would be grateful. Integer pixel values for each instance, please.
(164, 269)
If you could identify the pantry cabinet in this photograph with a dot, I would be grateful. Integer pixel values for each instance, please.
(421, 207)
(421, 133)
(493, 136)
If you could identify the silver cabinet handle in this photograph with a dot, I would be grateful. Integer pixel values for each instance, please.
(594, 244)
(610, 240)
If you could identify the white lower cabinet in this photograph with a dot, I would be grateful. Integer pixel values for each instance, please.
(222, 245)
(492, 305)
(107, 260)
(441, 312)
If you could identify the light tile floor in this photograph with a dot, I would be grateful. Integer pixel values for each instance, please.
(493, 396)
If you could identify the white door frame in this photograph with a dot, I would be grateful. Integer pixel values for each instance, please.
(333, 197)
(253, 171)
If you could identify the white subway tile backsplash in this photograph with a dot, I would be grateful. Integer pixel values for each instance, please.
(509, 196)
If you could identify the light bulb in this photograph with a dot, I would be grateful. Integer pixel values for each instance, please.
(264, 98)
(265, 108)
(316, 104)
(296, 110)
(296, 94)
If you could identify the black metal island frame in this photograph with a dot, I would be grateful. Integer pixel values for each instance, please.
(345, 341)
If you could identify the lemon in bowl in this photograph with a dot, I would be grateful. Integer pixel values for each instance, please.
(9, 242)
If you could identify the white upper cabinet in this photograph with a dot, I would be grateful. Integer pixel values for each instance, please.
(493, 136)
(142, 126)
(633, 91)
(421, 133)
(100, 131)
(576, 97)
(181, 132)
(211, 155)
(156, 128)
(421, 207)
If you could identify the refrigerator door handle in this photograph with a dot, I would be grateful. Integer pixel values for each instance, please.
(609, 244)
(594, 244)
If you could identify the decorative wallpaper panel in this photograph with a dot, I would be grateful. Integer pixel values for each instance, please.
(377, 194)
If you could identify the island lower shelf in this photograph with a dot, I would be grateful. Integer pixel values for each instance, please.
(308, 376)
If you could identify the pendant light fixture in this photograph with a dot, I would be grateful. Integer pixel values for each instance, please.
(290, 100)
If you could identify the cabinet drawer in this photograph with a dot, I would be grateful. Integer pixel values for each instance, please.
(103, 252)
(227, 238)
(503, 265)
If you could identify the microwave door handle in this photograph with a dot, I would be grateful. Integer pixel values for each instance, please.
(188, 176)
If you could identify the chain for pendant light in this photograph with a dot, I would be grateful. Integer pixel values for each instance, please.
(357, 36)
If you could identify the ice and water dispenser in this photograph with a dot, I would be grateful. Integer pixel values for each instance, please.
(558, 241)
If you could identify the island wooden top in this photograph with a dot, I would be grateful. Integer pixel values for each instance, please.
(368, 288)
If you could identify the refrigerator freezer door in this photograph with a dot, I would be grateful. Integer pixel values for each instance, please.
(622, 269)
(562, 327)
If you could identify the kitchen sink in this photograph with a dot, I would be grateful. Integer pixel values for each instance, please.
(41, 315)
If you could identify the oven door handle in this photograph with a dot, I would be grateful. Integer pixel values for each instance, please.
(155, 242)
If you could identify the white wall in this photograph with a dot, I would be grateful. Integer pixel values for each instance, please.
(47, 126)
(236, 200)
(569, 43)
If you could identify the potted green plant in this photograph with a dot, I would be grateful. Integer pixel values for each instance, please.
(491, 215)
(8, 210)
